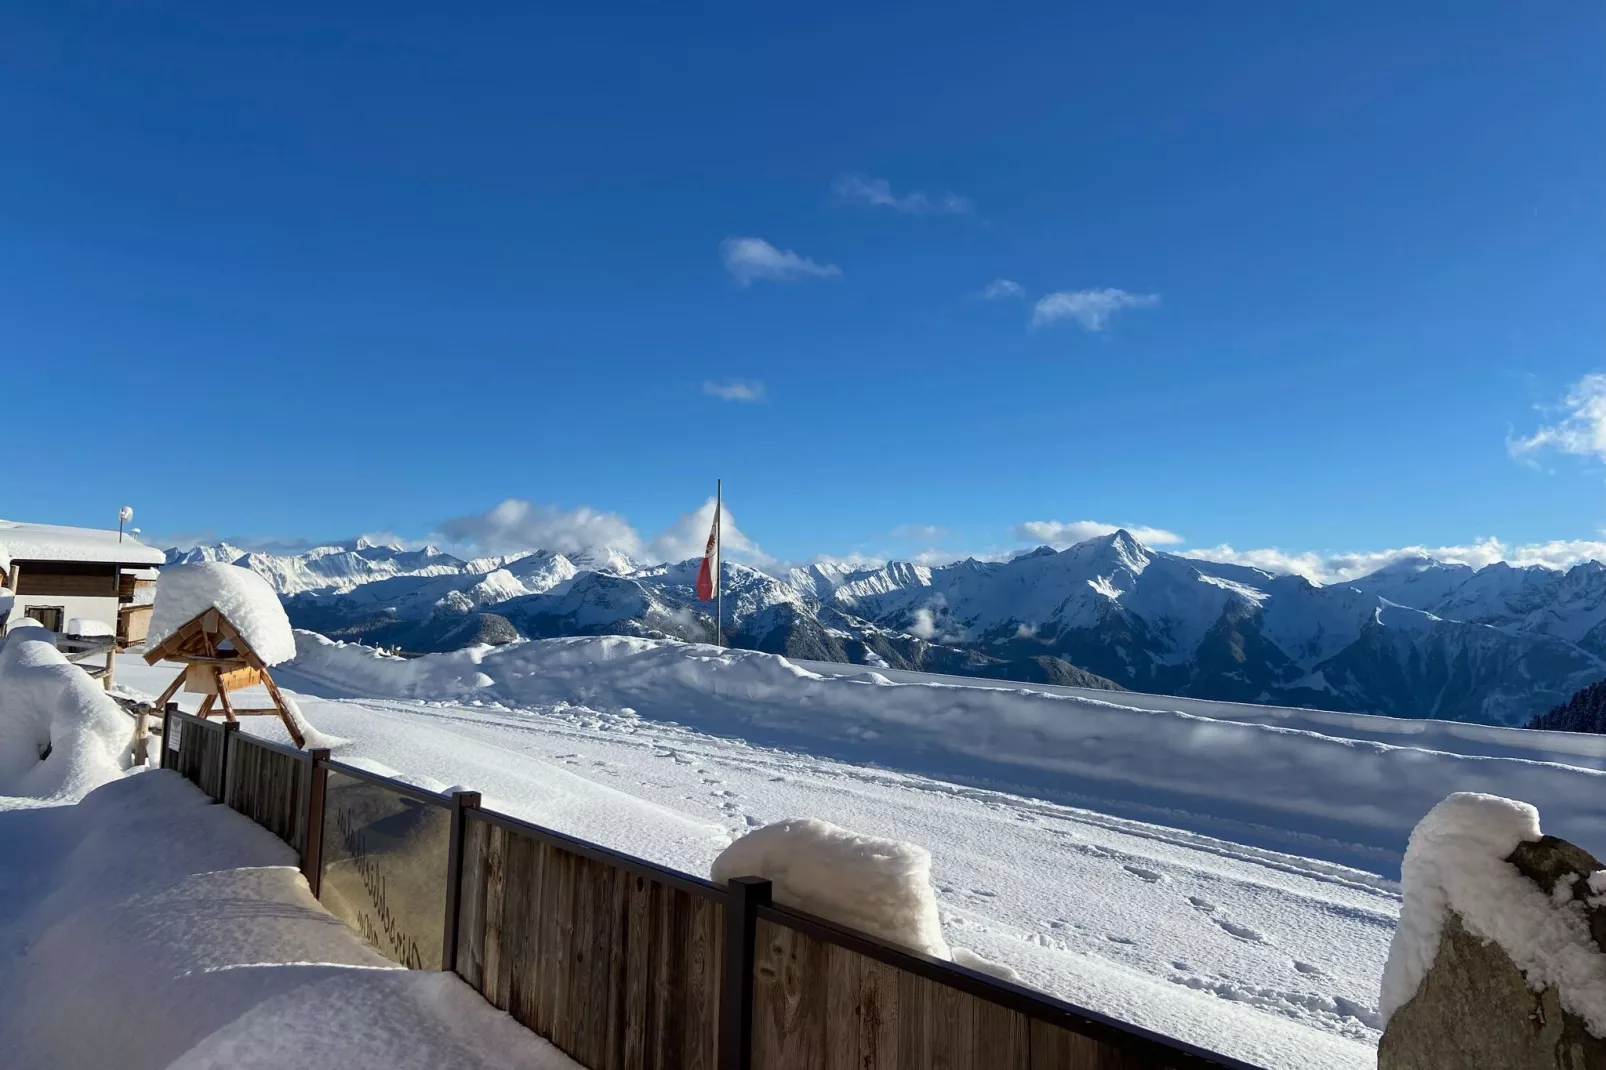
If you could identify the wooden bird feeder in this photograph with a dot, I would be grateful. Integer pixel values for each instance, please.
(217, 660)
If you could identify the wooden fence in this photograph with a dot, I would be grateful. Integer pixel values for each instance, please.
(267, 782)
(197, 750)
(624, 964)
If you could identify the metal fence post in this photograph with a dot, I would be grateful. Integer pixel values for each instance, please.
(743, 897)
(461, 801)
(312, 852)
(229, 729)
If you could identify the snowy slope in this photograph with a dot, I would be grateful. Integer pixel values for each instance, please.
(1220, 872)
(1266, 956)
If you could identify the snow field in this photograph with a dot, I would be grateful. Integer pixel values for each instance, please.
(1268, 957)
(152, 929)
(1320, 785)
(1186, 866)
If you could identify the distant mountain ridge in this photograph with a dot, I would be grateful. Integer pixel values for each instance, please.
(1418, 638)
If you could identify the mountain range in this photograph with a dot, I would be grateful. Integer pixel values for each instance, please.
(1418, 638)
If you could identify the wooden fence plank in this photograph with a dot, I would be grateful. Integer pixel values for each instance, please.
(706, 949)
(638, 971)
(491, 985)
(471, 905)
(1054, 1048)
(844, 1010)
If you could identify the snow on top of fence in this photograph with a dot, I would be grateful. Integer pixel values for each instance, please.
(880, 887)
(1456, 861)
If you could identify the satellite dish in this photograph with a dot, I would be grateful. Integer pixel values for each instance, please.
(125, 514)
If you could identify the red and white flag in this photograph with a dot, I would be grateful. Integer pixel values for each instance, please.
(710, 568)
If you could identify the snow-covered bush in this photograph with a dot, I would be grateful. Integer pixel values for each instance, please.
(1457, 861)
(61, 735)
(186, 591)
(880, 887)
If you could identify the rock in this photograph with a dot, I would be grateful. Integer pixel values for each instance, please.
(1474, 1008)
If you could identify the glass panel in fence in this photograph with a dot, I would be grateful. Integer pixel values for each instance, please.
(384, 867)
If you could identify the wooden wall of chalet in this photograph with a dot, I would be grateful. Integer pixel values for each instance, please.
(614, 967)
(39, 578)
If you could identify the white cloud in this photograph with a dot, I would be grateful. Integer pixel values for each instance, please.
(735, 390)
(517, 525)
(1091, 308)
(688, 536)
(877, 193)
(751, 259)
(1061, 534)
(1580, 431)
(1344, 567)
(1000, 288)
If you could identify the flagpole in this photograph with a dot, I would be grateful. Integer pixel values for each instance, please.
(719, 562)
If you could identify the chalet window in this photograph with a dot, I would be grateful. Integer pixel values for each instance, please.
(49, 616)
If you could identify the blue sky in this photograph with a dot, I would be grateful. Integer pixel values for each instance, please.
(1326, 274)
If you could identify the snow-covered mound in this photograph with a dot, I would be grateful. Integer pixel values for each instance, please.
(1321, 783)
(881, 887)
(61, 735)
(1457, 862)
(186, 591)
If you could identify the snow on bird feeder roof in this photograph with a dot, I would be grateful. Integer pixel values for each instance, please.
(240, 595)
(53, 542)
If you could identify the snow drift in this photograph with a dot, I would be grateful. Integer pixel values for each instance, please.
(61, 735)
(186, 591)
(1344, 787)
(1456, 861)
(880, 887)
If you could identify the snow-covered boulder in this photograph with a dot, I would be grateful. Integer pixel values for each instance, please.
(880, 887)
(1499, 959)
(61, 735)
(186, 591)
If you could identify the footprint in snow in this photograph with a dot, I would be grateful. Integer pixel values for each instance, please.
(1305, 967)
(984, 893)
(752, 822)
(1242, 932)
(1203, 904)
(1127, 940)
(1182, 964)
(1153, 876)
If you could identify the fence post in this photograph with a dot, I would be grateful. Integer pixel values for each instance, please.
(167, 729)
(229, 728)
(312, 852)
(461, 801)
(743, 897)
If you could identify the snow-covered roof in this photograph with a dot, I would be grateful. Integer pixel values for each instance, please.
(187, 591)
(53, 542)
